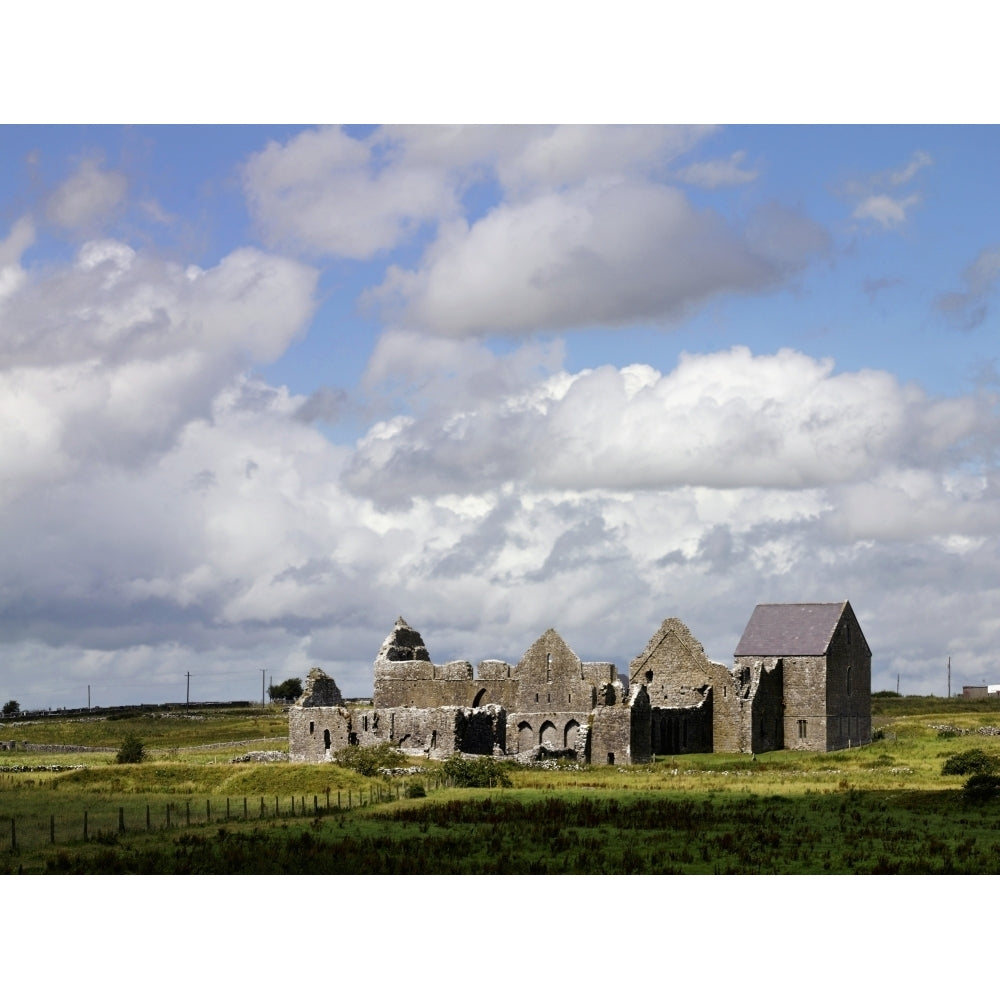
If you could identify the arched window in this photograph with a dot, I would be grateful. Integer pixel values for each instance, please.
(326, 738)
(848, 680)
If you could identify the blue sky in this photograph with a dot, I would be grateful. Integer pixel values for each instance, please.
(263, 389)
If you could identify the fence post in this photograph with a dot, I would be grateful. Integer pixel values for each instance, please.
(227, 808)
(328, 800)
(52, 829)
(121, 819)
(338, 798)
(303, 805)
(187, 806)
(244, 807)
(348, 798)
(315, 805)
(13, 832)
(208, 810)
(262, 807)
(276, 811)
(147, 815)
(84, 824)
(168, 815)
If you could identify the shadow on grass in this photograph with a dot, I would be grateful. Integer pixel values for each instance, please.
(515, 832)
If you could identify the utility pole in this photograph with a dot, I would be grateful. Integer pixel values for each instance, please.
(88, 697)
(187, 697)
(897, 683)
(262, 669)
(949, 676)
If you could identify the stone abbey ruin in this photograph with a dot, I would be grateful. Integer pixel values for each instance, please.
(800, 680)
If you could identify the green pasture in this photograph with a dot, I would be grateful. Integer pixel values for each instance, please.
(885, 807)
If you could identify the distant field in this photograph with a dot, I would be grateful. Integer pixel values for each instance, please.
(884, 808)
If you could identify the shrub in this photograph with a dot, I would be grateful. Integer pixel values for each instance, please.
(11, 707)
(947, 734)
(370, 760)
(132, 750)
(971, 762)
(981, 788)
(478, 772)
(289, 690)
(415, 790)
(886, 694)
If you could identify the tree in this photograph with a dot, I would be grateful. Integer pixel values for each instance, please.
(12, 707)
(286, 691)
(132, 750)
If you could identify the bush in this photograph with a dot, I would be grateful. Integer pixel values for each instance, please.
(415, 790)
(479, 772)
(11, 707)
(370, 760)
(981, 788)
(886, 694)
(971, 762)
(132, 751)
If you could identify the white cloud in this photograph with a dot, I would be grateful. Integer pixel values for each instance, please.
(89, 196)
(885, 210)
(332, 194)
(877, 198)
(107, 359)
(598, 254)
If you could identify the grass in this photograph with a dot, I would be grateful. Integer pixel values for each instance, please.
(885, 807)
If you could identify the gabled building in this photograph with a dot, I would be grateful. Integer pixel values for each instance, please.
(824, 664)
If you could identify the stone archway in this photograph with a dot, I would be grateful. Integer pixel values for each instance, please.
(478, 700)
(547, 734)
(525, 737)
(570, 733)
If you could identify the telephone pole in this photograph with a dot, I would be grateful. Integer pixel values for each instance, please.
(949, 676)
(187, 697)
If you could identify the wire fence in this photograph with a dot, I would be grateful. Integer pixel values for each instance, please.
(108, 822)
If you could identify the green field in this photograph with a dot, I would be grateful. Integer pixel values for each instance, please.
(882, 808)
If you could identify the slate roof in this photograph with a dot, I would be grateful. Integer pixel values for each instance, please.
(790, 629)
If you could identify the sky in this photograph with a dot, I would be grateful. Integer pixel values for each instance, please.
(265, 389)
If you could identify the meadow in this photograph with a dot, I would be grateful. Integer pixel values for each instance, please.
(882, 808)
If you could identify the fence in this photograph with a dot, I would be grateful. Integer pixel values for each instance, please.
(107, 822)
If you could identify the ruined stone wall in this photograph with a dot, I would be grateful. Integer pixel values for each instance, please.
(675, 669)
(610, 735)
(316, 731)
(552, 678)
(556, 730)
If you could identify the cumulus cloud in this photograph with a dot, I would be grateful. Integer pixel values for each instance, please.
(90, 195)
(597, 502)
(968, 308)
(329, 193)
(525, 228)
(728, 420)
(108, 359)
(598, 254)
